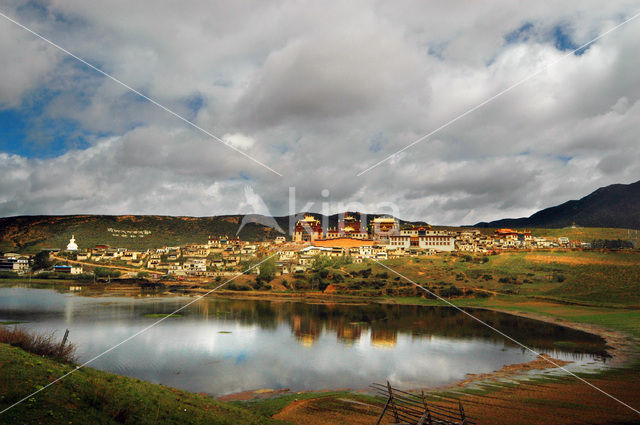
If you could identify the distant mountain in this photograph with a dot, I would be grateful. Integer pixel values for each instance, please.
(32, 233)
(617, 205)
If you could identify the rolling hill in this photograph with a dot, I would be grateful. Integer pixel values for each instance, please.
(32, 233)
(617, 205)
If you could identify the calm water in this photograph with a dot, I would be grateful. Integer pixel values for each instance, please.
(222, 346)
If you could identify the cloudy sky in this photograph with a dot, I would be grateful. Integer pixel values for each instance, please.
(318, 92)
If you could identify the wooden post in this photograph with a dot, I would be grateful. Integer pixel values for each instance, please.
(426, 409)
(462, 416)
(393, 404)
(383, 411)
(64, 341)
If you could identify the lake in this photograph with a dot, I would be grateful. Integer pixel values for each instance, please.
(222, 346)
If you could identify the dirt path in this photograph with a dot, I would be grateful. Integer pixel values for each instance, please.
(568, 402)
(83, 263)
(329, 411)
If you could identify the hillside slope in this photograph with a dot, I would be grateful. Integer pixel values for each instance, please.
(617, 205)
(30, 233)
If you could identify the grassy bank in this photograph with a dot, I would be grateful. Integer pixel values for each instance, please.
(597, 291)
(89, 396)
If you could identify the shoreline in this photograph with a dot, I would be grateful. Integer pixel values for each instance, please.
(619, 345)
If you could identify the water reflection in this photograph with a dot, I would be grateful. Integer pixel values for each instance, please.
(222, 346)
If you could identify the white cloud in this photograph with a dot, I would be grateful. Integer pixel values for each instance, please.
(320, 91)
(239, 141)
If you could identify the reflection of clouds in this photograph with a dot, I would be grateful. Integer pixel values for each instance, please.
(190, 353)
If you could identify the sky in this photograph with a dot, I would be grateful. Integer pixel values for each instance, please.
(318, 92)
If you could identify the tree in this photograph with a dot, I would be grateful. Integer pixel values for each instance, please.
(267, 271)
(41, 261)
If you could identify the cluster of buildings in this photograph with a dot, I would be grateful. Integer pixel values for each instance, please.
(218, 257)
(384, 238)
(381, 238)
(15, 263)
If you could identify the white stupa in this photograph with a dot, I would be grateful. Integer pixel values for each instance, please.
(72, 246)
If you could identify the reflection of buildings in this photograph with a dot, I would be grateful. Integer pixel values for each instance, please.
(384, 338)
(346, 333)
(349, 334)
(306, 330)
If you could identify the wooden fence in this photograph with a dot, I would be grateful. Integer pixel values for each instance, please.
(412, 409)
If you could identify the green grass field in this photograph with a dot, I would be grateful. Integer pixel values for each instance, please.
(89, 396)
(605, 279)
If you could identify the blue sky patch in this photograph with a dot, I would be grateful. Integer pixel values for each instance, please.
(519, 35)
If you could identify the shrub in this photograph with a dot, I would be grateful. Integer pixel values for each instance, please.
(236, 287)
(106, 272)
(451, 291)
(40, 344)
(337, 278)
(383, 275)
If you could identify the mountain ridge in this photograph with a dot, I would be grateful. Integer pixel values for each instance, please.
(616, 205)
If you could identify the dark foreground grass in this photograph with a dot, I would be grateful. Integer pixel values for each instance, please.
(89, 396)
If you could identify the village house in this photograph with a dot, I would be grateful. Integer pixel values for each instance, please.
(131, 256)
(195, 265)
(175, 269)
(217, 263)
(287, 254)
(248, 250)
(174, 254)
(14, 263)
(64, 268)
(83, 256)
(437, 240)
